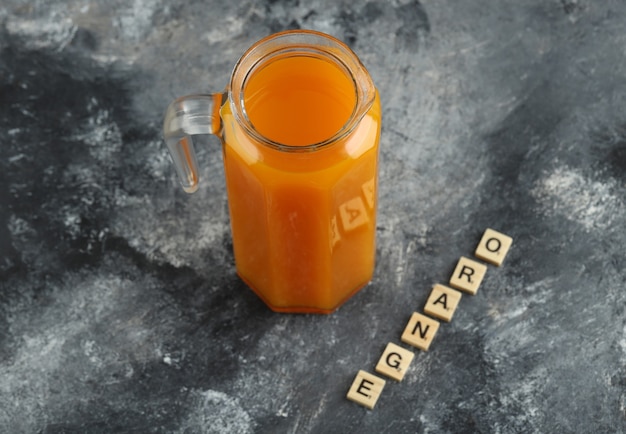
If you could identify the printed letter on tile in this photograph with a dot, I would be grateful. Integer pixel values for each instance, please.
(467, 275)
(394, 361)
(493, 247)
(366, 389)
(442, 302)
(420, 331)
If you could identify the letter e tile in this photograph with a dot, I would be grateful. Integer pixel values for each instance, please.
(442, 302)
(467, 275)
(420, 331)
(353, 214)
(366, 389)
(493, 247)
(394, 362)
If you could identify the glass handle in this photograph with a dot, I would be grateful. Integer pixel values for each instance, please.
(184, 118)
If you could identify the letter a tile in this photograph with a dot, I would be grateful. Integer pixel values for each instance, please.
(467, 275)
(366, 389)
(394, 362)
(420, 331)
(493, 247)
(442, 302)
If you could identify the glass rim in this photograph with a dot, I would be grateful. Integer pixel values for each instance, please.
(301, 42)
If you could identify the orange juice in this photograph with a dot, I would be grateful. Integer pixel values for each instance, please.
(302, 200)
(299, 100)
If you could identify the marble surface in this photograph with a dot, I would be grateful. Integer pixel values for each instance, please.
(120, 309)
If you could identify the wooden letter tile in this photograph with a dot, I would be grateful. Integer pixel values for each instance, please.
(442, 302)
(420, 331)
(366, 389)
(467, 275)
(493, 247)
(394, 362)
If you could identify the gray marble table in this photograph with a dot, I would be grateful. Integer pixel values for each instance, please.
(120, 308)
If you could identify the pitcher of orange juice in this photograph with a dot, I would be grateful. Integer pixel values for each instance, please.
(299, 124)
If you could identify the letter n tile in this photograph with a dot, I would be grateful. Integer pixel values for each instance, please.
(420, 331)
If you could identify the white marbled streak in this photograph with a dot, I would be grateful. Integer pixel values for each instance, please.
(566, 192)
(215, 412)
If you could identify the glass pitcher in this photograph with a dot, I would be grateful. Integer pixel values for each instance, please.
(299, 124)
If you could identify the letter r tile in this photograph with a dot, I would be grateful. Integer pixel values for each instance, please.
(369, 191)
(366, 389)
(394, 361)
(493, 247)
(467, 275)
